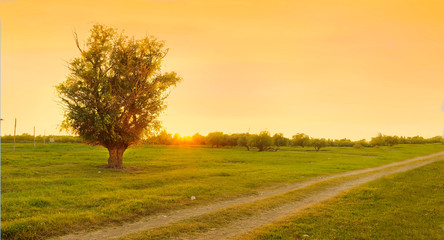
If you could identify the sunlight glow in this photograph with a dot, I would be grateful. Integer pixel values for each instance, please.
(325, 68)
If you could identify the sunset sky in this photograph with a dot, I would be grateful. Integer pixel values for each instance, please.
(330, 69)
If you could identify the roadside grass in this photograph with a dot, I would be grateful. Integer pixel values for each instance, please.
(57, 188)
(407, 205)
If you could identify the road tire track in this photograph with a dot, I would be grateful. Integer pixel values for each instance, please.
(244, 226)
(237, 228)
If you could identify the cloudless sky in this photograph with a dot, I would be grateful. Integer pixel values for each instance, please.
(329, 69)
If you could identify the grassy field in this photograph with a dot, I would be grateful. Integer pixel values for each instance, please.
(58, 188)
(408, 205)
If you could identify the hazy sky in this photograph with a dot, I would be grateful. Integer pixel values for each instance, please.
(332, 69)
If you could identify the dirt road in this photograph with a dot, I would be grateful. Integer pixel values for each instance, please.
(241, 227)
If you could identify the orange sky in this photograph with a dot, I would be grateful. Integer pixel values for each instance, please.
(330, 69)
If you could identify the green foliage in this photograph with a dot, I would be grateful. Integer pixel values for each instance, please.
(357, 145)
(384, 140)
(300, 139)
(244, 140)
(215, 139)
(198, 139)
(279, 140)
(362, 143)
(318, 143)
(420, 140)
(163, 138)
(248, 140)
(230, 140)
(27, 138)
(115, 91)
(262, 141)
(343, 143)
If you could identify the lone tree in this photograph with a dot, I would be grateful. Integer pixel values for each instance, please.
(318, 143)
(115, 90)
(263, 141)
(279, 140)
(215, 139)
(243, 140)
(300, 139)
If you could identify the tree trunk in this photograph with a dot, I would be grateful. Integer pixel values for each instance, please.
(115, 157)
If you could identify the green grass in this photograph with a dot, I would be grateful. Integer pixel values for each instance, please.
(187, 228)
(57, 188)
(408, 205)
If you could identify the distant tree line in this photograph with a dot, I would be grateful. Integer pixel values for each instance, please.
(264, 141)
(385, 140)
(28, 138)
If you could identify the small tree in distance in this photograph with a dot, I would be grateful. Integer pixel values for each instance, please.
(163, 137)
(262, 141)
(215, 139)
(300, 139)
(243, 140)
(279, 140)
(115, 91)
(198, 139)
(176, 139)
(384, 140)
(318, 143)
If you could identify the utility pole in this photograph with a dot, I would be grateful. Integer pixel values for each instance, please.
(15, 127)
(44, 137)
(34, 137)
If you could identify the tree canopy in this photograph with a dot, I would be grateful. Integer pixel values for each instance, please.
(300, 139)
(318, 143)
(115, 90)
(279, 140)
(262, 141)
(215, 139)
